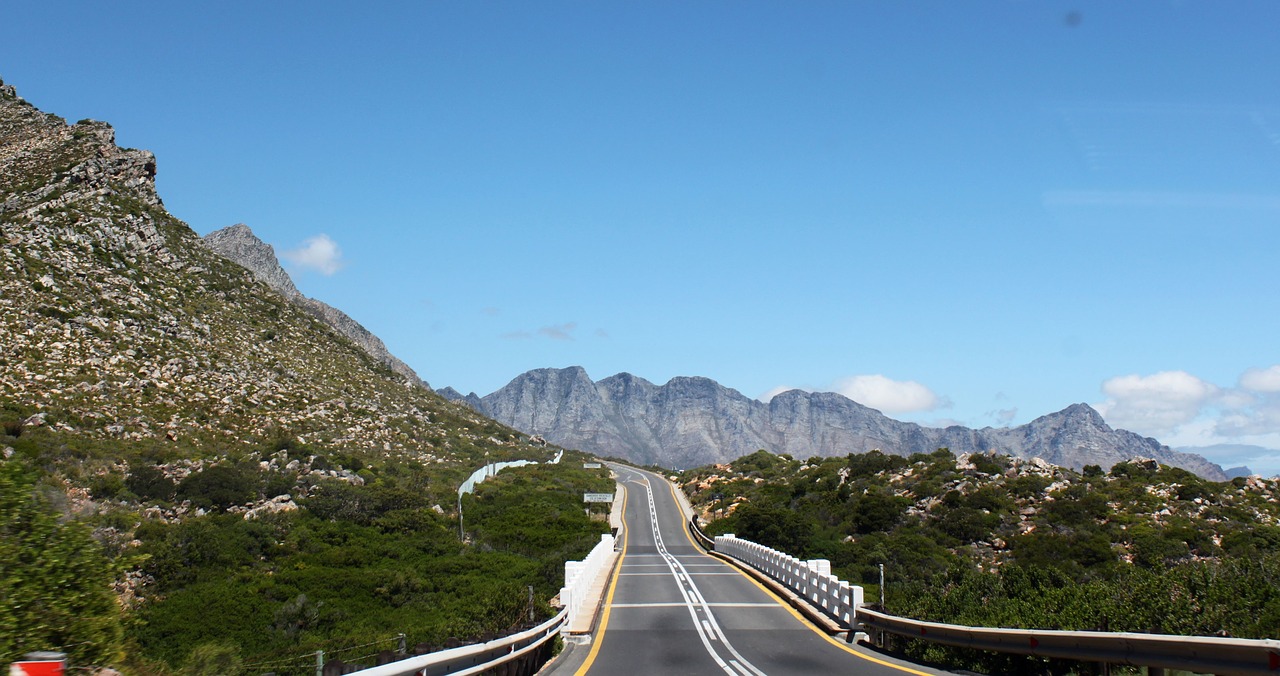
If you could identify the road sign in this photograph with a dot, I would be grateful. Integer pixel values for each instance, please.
(590, 465)
(597, 497)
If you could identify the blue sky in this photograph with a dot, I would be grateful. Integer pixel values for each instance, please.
(969, 212)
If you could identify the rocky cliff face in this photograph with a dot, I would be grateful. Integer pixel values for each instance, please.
(237, 243)
(695, 421)
(119, 327)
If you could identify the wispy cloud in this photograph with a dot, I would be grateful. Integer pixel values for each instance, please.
(1003, 416)
(319, 253)
(558, 331)
(1160, 200)
(553, 332)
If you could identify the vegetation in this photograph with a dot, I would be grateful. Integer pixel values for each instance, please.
(989, 540)
(55, 581)
(197, 476)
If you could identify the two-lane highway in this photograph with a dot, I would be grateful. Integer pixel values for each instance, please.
(672, 609)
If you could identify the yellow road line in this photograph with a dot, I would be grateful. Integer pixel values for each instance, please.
(795, 613)
(685, 528)
(608, 601)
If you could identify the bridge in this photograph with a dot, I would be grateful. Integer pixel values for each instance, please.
(655, 601)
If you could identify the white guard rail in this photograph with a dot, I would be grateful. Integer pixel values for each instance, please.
(472, 659)
(579, 575)
(812, 580)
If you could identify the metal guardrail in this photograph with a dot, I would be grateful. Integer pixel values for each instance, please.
(473, 659)
(700, 537)
(1201, 654)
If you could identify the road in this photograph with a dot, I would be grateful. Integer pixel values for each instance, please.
(673, 609)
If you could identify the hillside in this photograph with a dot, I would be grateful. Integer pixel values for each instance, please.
(119, 325)
(196, 469)
(696, 421)
(238, 244)
(995, 541)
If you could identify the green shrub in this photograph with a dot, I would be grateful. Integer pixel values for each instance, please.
(55, 582)
(219, 487)
(149, 483)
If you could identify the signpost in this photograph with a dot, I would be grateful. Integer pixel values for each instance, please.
(592, 498)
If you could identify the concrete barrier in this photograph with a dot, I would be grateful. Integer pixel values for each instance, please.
(580, 577)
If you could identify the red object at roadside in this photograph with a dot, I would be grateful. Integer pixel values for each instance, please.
(39, 664)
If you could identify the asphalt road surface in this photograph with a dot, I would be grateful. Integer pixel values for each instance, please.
(672, 609)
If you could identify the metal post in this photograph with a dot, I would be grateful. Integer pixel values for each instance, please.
(400, 646)
(319, 663)
(882, 609)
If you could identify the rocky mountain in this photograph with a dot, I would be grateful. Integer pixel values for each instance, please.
(696, 421)
(177, 433)
(238, 244)
(121, 330)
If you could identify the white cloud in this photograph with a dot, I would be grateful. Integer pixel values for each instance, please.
(319, 253)
(1182, 410)
(1262, 418)
(889, 396)
(1155, 404)
(768, 396)
(1261, 380)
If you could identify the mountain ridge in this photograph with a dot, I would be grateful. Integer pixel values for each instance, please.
(696, 421)
(121, 325)
(239, 244)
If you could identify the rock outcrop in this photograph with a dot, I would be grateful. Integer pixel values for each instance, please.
(237, 243)
(122, 330)
(696, 421)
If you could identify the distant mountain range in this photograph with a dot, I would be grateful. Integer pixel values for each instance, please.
(696, 421)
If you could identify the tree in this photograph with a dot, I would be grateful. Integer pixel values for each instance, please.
(55, 582)
(775, 527)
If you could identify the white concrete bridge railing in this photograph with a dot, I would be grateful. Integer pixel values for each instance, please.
(811, 580)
